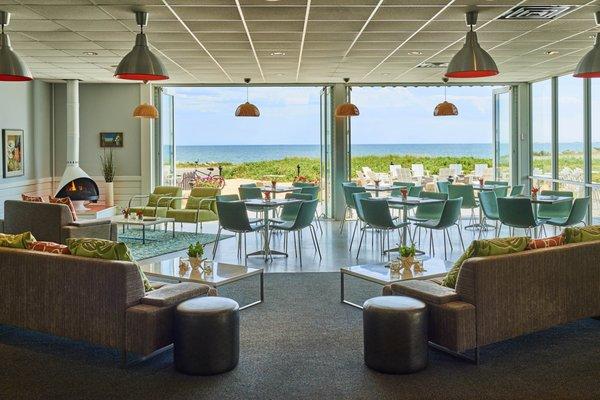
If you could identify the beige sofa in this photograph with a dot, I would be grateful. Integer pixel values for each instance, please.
(502, 297)
(52, 222)
(98, 301)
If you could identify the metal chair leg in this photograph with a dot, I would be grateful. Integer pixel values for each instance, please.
(462, 243)
(316, 241)
(216, 241)
(362, 235)
(353, 234)
(300, 246)
(445, 252)
(344, 219)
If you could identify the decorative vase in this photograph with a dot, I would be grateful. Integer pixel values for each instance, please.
(110, 194)
(395, 266)
(407, 262)
(195, 262)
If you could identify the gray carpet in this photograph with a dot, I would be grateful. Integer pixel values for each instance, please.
(303, 344)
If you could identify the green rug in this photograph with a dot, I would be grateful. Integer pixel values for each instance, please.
(159, 242)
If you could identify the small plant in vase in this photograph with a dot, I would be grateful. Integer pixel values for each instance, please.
(195, 253)
(108, 170)
(534, 192)
(126, 212)
(139, 214)
(407, 255)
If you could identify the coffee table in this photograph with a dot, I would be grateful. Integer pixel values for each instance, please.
(222, 274)
(380, 273)
(144, 223)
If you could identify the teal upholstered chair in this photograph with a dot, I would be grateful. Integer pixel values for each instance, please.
(576, 215)
(359, 213)
(442, 186)
(233, 217)
(349, 199)
(425, 212)
(467, 194)
(249, 193)
(349, 183)
(289, 211)
(376, 214)
(449, 218)
(500, 191)
(413, 191)
(517, 212)
(516, 190)
(303, 184)
(227, 197)
(313, 191)
(558, 210)
(489, 206)
(303, 220)
(396, 192)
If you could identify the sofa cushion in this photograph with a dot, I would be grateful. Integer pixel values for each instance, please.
(35, 199)
(66, 201)
(18, 241)
(484, 248)
(578, 235)
(546, 242)
(48, 247)
(106, 250)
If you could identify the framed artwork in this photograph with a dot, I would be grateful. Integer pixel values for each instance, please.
(12, 147)
(111, 139)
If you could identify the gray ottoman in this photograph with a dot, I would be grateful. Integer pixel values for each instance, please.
(395, 334)
(207, 335)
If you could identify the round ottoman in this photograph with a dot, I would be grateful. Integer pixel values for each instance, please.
(207, 335)
(395, 334)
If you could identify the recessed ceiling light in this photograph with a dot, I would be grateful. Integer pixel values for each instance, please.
(90, 53)
(278, 53)
(415, 53)
(385, 74)
(433, 64)
(552, 52)
(279, 73)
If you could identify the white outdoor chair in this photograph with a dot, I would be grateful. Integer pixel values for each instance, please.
(395, 171)
(418, 170)
(479, 170)
(457, 168)
(405, 175)
(444, 174)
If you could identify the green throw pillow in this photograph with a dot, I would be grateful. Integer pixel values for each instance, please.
(18, 241)
(484, 248)
(106, 250)
(585, 234)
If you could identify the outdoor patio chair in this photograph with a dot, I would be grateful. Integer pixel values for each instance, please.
(457, 169)
(479, 170)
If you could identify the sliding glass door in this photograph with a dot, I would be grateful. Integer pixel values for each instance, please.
(166, 146)
(502, 134)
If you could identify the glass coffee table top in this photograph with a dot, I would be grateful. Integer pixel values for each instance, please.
(381, 273)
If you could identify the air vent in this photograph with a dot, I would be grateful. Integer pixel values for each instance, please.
(432, 64)
(536, 12)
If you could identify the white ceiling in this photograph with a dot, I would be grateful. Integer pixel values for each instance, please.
(223, 41)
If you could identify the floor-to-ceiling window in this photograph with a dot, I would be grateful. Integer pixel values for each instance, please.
(541, 124)
(595, 150)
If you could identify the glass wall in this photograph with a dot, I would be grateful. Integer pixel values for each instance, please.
(595, 151)
(570, 128)
(503, 126)
(541, 124)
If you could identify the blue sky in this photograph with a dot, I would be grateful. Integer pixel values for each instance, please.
(290, 115)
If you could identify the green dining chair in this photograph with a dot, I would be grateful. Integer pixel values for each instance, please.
(349, 183)
(496, 183)
(576, 216)
(558, 210)
(313, 191)
(303, 184)
(349, 199)
(359, 214)
(303, 220)
(227, 197)
(426, 212)
(233, 217)
(251, 192)
(248, 185)
(443, 186)
(449, 218)
(489, 206)
(516, 190)
(396, 192)
(289, 211)
(376, 214)
(413, 191)
(517, 212)
(500, 191)
(467, 194)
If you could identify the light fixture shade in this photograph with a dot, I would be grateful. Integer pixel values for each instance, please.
(12, 67)
(346, 110)
(140, 64)
(247, 109)
(471, 61)
(445, 109)
(145, 111)
(589, 65)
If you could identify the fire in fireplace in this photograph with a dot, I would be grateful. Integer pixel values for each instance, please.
(80, 189)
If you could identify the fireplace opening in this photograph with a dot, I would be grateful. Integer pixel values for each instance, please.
(80, 189)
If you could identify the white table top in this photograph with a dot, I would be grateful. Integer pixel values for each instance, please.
(145, 222)
(380, 273)
(222, 273)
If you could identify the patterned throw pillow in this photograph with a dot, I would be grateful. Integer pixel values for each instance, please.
(18, 241)
(484, 248)
(64, 200)
(35, 199)
(546, 242)
(49, 247)
(106, 250)
(585, 234)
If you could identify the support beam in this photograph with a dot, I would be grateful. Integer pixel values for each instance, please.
(147, 142)
(340, 145)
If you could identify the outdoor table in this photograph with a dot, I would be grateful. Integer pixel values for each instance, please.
(381, 188)
(406, 202)
(266, 206)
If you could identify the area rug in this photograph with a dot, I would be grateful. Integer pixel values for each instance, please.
(302, 343)
(159, 242)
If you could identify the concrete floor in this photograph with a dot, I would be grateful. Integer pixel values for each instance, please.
(334, 248)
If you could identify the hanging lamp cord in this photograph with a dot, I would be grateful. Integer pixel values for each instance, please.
(247, 92)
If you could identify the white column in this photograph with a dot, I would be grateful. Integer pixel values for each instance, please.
(72, 122)
(147, 142)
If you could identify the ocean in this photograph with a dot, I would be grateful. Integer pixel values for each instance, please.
(239, 154)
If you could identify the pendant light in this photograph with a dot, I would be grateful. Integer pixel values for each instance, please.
(471, 61)
(12, 67)
(445, 108)
(247, 109)
(145, 111)
(346, 109)
(589, 65)
(140, 64)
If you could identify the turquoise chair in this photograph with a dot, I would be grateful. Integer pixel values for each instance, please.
(303, 184)
(489, 206)
(576, 215)
(517, 212)
(558, 210)
(376, 214)
(496, 183)
(304, 219)
(349, 184)
(413, 191)
(516, 190)
(443, 186)
(227, 197)
(289, 211)
(396, 192)
(359, 213)
(467, 194)
(349, 199)
(449, 218)
(313, 191)
(249, 193)
(233, 217)
(248, 185)
(425, 212)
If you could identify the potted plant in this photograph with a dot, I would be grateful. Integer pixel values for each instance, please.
(108, 170)
(407, 255)
(139, 214)
(195, 253)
